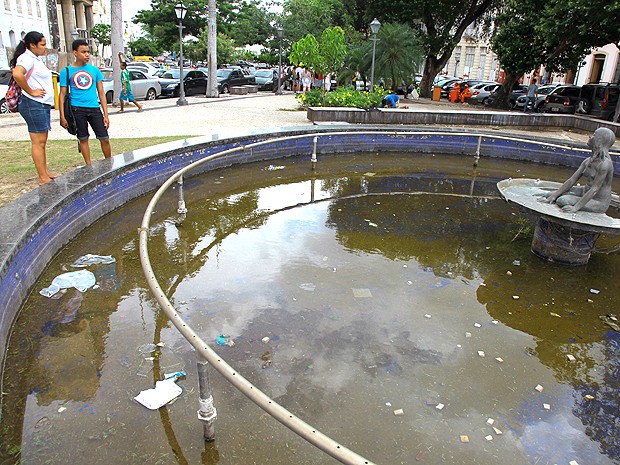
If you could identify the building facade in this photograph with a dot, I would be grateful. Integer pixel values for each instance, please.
(61, 21)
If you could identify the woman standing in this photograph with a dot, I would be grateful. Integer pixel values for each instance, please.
(35, 103)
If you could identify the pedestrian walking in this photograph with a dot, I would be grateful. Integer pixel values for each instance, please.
(87, 100)
(37, 97)
(126, 93)
(532, 93)
(306, 80)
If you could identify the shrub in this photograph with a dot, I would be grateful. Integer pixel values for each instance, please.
(344, 96)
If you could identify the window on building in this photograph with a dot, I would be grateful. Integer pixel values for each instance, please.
(29, 3)
(7, 5)
(1, 41)
(12, 39)
(39, 15)
(20, 8)
(457, 60)
(483, 62)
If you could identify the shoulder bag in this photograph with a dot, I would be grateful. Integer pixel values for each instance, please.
(68, 109)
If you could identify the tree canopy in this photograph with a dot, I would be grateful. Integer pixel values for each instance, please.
(244, 21)
(529, 33)
(441, 24)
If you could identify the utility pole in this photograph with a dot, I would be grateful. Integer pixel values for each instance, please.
(117, 46)
(212, 51)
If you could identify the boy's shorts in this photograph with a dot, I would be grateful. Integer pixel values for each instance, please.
(93, 116)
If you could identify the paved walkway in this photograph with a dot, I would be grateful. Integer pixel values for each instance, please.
(226, 115)
(162, 117)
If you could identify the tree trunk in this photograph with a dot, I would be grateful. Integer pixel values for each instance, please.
(117, 46)
(503, 94)
(432, 67)
(212, 51)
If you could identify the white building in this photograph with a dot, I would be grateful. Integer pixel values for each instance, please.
(472, 58)
(68, 20)
(17, 18)
(601, 66)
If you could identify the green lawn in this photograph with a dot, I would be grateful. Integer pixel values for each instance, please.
(17, 170)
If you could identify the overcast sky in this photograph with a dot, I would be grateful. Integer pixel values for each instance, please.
(131, 7)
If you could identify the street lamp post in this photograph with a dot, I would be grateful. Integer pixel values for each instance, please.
(180, 10)
(280, 34)
(374, 27)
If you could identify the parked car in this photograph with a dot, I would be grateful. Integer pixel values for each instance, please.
(5, 77)
(480, 92)
(599, 100)
(142, 86)
(147, 68)
(267, 79)
(563, 100)
(227, 78)
(539, 104)
(517, 91)
(194, 82)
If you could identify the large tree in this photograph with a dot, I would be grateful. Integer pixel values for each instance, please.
(528, 34)
(245, 21)
(441, 24)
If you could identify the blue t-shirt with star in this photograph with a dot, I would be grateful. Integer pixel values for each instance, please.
(82, 84)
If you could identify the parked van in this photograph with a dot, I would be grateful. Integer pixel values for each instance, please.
(599, 100)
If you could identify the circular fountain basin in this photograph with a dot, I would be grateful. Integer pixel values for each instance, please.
(381, 282)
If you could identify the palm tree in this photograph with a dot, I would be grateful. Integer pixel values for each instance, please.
(398, 54)
(358, 60)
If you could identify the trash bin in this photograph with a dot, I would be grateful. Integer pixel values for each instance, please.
(436, 93)
(55, 84)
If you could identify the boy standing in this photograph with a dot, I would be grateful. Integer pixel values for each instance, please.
(86, 88)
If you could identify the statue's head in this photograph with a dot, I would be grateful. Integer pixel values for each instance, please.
(603, 138)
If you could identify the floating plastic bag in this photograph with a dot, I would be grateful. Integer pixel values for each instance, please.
(81, 280)
(90, 259)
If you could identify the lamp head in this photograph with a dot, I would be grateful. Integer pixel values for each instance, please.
(180, 10)
(375, 25)
(280, 32)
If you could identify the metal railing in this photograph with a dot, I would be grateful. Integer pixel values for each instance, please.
(205, 354)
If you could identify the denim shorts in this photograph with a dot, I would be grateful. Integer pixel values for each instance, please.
(93, 116)
(36, 114)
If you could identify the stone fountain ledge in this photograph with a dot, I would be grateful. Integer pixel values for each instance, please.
(35, 227)
(418, 115)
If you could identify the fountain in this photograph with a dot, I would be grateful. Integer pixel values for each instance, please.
(571, 216)
(376, 278)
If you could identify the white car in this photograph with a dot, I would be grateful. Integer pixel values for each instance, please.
(142, 86)
(147, 68)
(5, 77)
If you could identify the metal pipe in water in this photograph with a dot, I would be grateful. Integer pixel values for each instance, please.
(313, 159)
(207, 412)
(181, 210)
(477, 157)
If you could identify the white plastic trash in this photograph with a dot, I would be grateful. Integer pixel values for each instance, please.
(81, 280)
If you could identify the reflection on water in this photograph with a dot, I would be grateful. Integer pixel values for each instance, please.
(383, 283)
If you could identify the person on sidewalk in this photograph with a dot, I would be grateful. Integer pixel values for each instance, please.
(87, 95)
(531, 95)
(126, 93)
(35, 103)
(390, 101)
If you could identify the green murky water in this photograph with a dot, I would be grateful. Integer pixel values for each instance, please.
(380, 282)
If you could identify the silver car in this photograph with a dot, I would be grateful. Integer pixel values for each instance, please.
(480, 92)
(5, 78)
(142, 86)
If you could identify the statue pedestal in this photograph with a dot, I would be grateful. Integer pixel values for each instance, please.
(561, 237)
(562, 244)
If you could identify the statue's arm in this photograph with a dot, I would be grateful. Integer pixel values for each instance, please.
(599, 180)
(551, 197)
